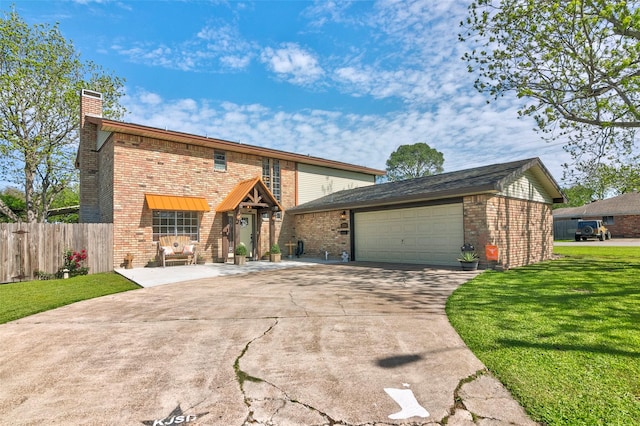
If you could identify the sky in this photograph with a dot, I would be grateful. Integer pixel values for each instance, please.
(346, 81)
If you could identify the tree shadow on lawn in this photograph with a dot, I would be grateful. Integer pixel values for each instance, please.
(559, 304)
(607, 350)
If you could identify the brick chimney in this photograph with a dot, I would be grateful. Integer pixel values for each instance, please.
(87, 158)
(90, 104)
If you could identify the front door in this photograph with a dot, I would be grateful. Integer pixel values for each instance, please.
(247, 227)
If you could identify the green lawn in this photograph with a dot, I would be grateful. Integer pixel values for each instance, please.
(18, 300)
(563, 336)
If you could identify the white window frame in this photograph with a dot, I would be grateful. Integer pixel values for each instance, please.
(219, 161)
(174, 223)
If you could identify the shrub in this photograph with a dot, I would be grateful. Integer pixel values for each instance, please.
(275, 249)
(241, 250)
(468, 256)
(74, 262)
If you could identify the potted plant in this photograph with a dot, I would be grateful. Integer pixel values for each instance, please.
(241, 254)
(469, 260)
(274, 253)
(200, 259)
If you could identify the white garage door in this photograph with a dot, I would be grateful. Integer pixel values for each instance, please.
(431, 235)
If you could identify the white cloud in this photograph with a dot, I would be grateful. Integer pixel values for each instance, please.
(235, 62)
(224, 39)
(479, 136)
(217, 44)
(150, 98)
(292, 63)
(410, 53)
(409, 50)
(158, 56)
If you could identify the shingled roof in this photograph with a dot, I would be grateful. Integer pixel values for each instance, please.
(487, 179)
(622, 205)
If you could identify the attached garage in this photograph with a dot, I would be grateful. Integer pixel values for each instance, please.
(426, 220)
(428, 234)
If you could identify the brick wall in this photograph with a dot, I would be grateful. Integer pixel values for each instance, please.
(106, 181)
(320, 232)
(89, 180)
(90, 104)
(522, 230)
(146, 165)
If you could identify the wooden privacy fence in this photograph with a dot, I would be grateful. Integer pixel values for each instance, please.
(564, 229)
(29, 247)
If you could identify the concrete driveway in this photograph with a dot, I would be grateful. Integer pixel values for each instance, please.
(316, 345)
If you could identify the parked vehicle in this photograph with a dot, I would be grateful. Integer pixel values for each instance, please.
(592, 229)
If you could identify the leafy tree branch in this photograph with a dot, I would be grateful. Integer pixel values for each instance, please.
(41, 76)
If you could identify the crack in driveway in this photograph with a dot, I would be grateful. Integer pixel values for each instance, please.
(293, 300)
(243, 377)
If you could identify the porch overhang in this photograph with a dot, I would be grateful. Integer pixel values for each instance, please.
(250, 194)
(176, 203)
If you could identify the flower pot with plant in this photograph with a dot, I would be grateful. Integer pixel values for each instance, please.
(241, 254)
(469, 260)
(274, 253)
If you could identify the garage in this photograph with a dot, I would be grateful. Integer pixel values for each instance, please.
(426, 220)
(424, 235)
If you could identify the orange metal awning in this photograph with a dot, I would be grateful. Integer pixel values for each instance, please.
(172, 202)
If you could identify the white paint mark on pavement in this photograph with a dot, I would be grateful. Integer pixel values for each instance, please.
(407, 401)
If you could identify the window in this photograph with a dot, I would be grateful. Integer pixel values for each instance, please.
(607, 220)
(275, 187)
(266, 172)
(175, 223)
(271, 178)
(220, 161)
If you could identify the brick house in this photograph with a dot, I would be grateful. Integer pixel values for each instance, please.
(150, 182)
(427, 220)
(621, 216)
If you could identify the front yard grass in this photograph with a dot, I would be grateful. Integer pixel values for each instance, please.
(18, 300)
(563, 336)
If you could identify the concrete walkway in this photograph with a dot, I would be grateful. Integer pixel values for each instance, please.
(340, 344)
(151, 277)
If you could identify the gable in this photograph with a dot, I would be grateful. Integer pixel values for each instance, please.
(524, 179)
(315, 182)
(527, 187)
(251, 193)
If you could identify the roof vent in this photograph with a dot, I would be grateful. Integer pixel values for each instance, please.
(92, 94)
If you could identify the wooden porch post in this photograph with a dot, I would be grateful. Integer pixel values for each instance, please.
(236, 229)
(258, 230)
(272, 228)
(226, 228)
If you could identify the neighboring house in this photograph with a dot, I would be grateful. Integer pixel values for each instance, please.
(151, 182)
(621, 216)
(427, 220)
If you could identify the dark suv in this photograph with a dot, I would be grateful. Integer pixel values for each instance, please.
(592, 229)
